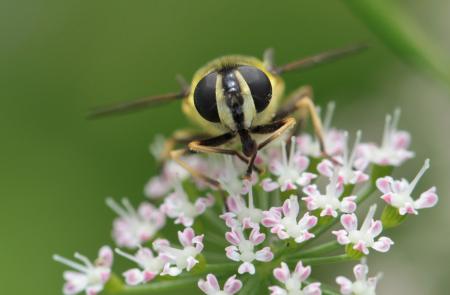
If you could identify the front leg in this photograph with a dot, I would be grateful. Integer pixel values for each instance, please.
(301, 102)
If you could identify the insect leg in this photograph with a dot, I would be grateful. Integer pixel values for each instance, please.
(179, 137)
(302, 103)
(210, 145)
(275, 129)
(176, 156)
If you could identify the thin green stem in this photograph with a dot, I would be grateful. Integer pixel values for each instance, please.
(322, 260)
(212, 218)
(316, 251)
(252, 285)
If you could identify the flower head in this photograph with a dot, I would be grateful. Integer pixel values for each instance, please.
(334, 139)
(178, 206)
(364, 238)
(210, 286)
(330, 202)
(362, 285)
(241, 214)
(176, 260)
(159, 186)
(243, 249)
(394, 146)
(290, 170)
(351, 168)
(283, 221)
(294, 282)
(89, 277)
(397, 193)
(132, 228)
(149, 266)
(230, 178)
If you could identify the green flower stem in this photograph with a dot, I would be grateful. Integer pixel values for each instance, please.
(116, 286)
(252, 285)
(263, 199)
(212, 219)
(316, 251)
(403, 35)
(321, 260)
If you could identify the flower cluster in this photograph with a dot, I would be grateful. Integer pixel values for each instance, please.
(249, 227)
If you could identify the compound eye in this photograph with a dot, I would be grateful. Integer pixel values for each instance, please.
(205, 98)
(259, 85)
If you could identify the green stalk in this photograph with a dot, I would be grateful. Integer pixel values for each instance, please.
(402, 35)
(322, 260)
(316, 251)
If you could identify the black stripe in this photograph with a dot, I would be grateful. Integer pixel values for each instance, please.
(233, 97)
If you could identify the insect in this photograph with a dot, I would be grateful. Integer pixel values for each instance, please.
(237, 102)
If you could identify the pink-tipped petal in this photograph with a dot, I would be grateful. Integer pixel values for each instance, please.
(312, 289)
(264, 254)
(133, 277)
(345, 285)
(302, 272)
(212, 282)
(349, 221)
(282, 273)
(361, 271)
(269, 185)
(105, 256)
(375, 228)
(341, 236)
(383, 244)
(232, 285)
(246, 267)
(384, 184)
(427, 199)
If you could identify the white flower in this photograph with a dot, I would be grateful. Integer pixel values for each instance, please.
(241, 214)
(397, 193)
(88, 277)
(351, 168)
(178, 206)
(364, 238)
(362, 285)
(211, 285)
(243, 249)
(331, 201)
(230, 177)
(179, 259)
(334, 139)
(287, 226)
(159, 186)
(294, 282)
(133, 228)
(151, 266)
(394, 146)
(290, 171)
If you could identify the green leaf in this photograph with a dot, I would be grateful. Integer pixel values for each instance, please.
(402, 35)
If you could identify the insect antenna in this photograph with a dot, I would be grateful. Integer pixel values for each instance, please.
(320, 58)
(141, 103)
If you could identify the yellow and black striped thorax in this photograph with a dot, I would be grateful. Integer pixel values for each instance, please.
(233, 92)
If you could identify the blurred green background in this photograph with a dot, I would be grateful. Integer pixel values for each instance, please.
(60, 58)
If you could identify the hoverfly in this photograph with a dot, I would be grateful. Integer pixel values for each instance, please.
(236, 101)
